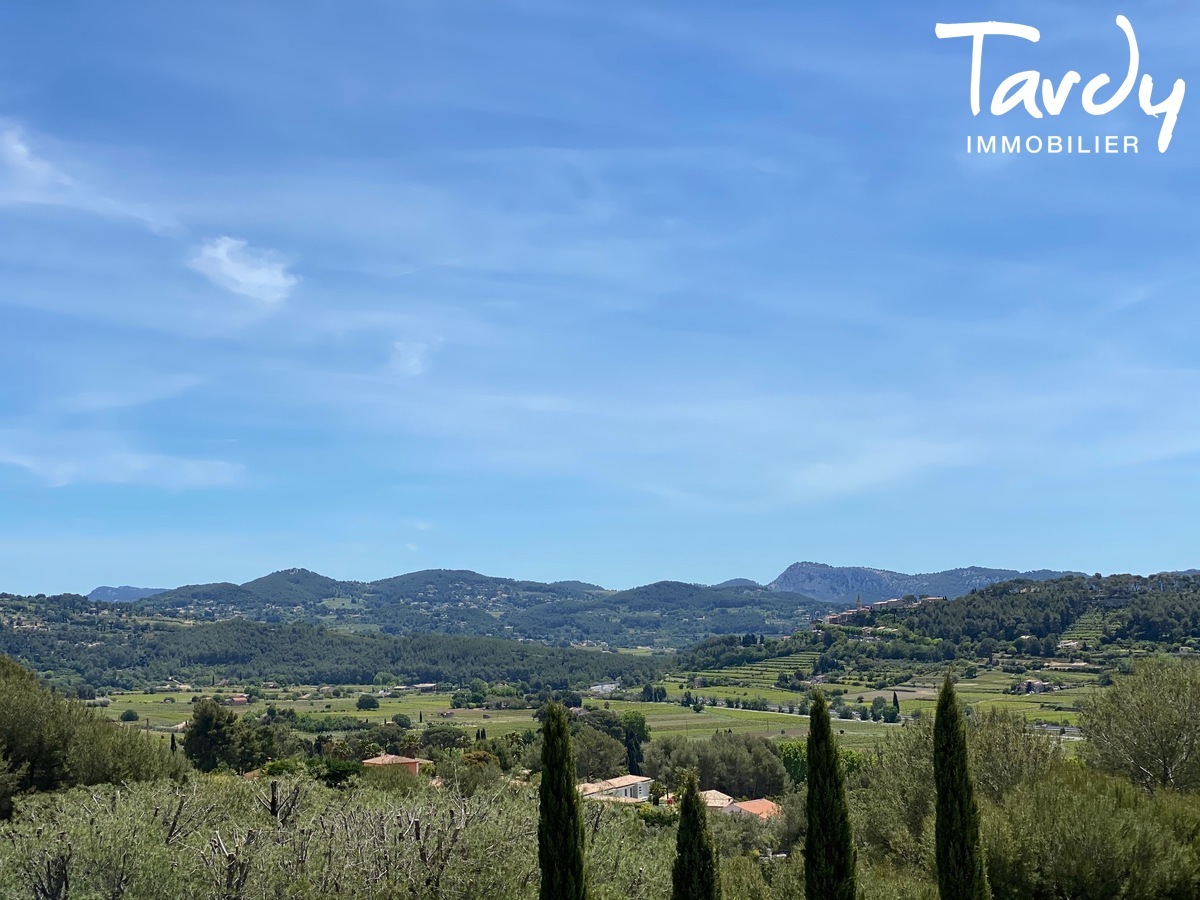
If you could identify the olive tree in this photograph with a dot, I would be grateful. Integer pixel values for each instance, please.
(1147, 725)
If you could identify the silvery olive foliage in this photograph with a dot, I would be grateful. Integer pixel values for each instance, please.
(217, 837)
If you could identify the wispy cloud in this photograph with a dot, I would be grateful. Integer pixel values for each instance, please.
(27, 177)
(127, 394)
(61, 459)
(233, 264)
(875, 466)
(409, 358)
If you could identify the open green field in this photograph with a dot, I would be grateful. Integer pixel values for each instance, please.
(917, 693)
(671, 719)
(990, 690)
(164, 710)
(663, 718)
(677, 684)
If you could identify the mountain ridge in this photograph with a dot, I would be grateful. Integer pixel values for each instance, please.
(124, 594)
(845, 584)
(667, 614)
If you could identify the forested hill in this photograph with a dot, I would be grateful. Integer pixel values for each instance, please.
(845, 584)
(1161, 608)
(70, 641)
(1088, 619)
(666, 614)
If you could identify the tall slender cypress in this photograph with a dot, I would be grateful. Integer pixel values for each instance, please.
(560, 822)
(633, 753)
(960, 870)
(829, 855)
(695, 876)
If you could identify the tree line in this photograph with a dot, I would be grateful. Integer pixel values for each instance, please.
(117, 652)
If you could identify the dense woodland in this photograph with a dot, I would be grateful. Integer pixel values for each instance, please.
(77, 644)
(1161, 608)
(1029, 618)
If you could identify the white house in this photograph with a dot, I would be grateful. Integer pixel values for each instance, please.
(625, 788)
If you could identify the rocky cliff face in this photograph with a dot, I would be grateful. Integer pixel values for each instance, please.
(846, 583)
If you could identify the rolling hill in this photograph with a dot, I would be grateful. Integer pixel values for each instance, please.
(667, 614)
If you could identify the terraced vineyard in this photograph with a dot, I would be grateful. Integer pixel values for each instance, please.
(1088, 628)
(764, 674)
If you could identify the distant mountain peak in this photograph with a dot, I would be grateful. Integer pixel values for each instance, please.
(847, 583)
(123, 594)
(738, 583)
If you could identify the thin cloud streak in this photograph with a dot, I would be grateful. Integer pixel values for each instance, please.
(63, 459)
(27, 178)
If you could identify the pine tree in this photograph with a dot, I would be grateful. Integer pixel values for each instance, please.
(960, 868)
(695, 876)
(829, 856)
(211, 736)
(560, 822)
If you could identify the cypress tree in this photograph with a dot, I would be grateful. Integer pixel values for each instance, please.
(560, 822)
(829, 856)
(633, 753)
(695, 876)
(960, 869)
(895, 702)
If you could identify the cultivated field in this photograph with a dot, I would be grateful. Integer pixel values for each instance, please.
(162, 711)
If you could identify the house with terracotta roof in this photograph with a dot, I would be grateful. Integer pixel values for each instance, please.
(624, 788)
(764, 809)
(413, 764)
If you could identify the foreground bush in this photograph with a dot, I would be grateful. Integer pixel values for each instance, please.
(48, 742)
(1077, 833)
(893, 803)
(1147, 725)
(214, 836)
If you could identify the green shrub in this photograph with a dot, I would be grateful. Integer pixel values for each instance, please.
(1076, 833)
(335, 772)
(48, 742)
(657, 816)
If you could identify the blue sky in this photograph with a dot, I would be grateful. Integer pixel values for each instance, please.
(618, 292)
